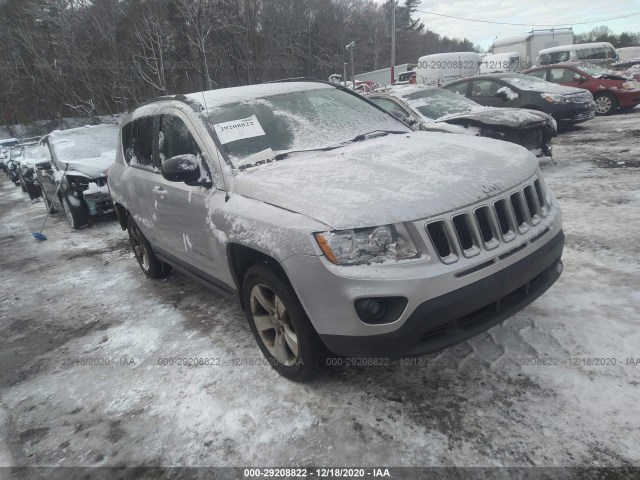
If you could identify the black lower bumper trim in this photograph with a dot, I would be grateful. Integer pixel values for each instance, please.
(452, 318)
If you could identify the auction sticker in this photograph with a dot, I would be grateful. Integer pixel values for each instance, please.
(238, 129)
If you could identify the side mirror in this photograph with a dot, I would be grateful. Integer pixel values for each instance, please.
(502, 94)
(43, 165)
(183, 168)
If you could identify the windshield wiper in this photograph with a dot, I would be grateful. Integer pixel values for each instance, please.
(381, 133)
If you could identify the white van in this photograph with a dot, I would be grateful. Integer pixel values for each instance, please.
(595, 53)
(440, 68)
(508, 62)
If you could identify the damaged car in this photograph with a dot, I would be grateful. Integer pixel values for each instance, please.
(611, 91)
(567, 105)
(79, 159)
(336, 226)
(29, 156)
(435, 109)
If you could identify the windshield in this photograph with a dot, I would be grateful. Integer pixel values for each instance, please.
(436, 103)
(526, 82)
(85, 144)
(300, 120)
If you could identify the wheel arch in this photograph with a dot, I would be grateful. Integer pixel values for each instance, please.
(241, 258)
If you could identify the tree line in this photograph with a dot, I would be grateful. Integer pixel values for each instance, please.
(605, 34)
(65, 58)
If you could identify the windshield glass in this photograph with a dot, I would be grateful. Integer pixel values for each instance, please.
(85, 144)
(299, 120)
(436, 103)
(526, 82)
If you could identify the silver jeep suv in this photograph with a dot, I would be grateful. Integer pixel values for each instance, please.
(335, 225)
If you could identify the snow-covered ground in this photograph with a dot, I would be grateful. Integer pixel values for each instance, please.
(80, 297)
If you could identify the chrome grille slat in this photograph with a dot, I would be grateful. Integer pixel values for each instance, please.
(485, 227)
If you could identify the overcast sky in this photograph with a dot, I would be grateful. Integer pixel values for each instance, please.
(528, 11)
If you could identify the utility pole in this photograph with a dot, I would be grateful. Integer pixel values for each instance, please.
(350, 47)
(393, 41)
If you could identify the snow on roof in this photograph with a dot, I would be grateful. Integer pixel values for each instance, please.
(575, 46)
(89, 145)
(224, 96)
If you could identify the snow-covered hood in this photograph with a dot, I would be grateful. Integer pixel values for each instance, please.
(511, 117)
(94, 167)
(389, 179)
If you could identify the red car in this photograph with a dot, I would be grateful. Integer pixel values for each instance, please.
(610, 90)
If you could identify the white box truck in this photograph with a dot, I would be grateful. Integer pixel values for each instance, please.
(383, 75)
(440, 68)
(529, 44)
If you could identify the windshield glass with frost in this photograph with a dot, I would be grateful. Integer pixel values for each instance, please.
(86, 144)
(300, 120)
(436, 103)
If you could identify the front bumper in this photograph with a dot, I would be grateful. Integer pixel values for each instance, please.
(461, 314)
(576, 114)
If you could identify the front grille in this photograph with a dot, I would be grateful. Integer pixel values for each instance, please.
(581, 98)
(487, 226)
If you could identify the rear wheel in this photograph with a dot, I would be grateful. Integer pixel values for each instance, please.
(280, 325)
(149, 263)
(606, 103)
(77, 215)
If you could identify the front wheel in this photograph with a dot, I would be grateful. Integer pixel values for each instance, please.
(280, 325)
(149, 263)
(606, 103)
(76, 214)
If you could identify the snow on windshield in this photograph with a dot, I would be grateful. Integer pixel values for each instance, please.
(435, 103)
(90, 145)
(300, 119)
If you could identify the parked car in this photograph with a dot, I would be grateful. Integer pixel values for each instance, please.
(28, 181)
(436, 109)
(566, 104)
(610, 90)
(333, 223)
(593, 53)
(79, 158)
(12, 167)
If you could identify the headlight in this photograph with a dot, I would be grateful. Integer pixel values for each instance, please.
(367, 245)
(553, 98)
(77, 182)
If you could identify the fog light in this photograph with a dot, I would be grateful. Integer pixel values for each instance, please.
(380, 310)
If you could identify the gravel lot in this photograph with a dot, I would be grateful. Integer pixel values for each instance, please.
(486, 402)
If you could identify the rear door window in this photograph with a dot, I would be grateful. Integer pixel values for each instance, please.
(137, 142)
(561, 75)
(541, 74)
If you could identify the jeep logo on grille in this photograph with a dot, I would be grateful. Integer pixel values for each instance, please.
(492, 187)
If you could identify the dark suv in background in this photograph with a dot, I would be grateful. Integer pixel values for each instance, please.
(566, 104)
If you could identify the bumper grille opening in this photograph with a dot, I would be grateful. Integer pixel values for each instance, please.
(532, 204)
(503, 216)
(463, 229)
(518, 210)
(438, 233)
(484, 223)
(541, 198)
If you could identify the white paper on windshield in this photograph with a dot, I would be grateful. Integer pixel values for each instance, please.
(238, 129)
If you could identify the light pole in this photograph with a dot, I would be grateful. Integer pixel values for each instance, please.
(393, 41)
(350, 47)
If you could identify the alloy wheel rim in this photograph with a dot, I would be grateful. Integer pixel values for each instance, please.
(274, 326)
(138, 248)
(603, 104)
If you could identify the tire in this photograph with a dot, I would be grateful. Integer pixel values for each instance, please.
(149, 263)
(280, 325)
(23, 186)
(47, 204)
(606, 103)
(77, 216)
